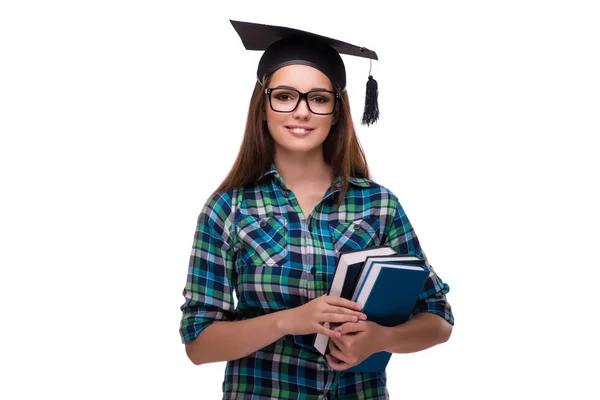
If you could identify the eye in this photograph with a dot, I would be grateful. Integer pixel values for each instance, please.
(320, 98)
(283, 96)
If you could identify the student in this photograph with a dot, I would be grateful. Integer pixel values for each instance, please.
(297, 196)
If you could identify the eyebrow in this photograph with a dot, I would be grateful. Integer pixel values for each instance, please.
(293, 88)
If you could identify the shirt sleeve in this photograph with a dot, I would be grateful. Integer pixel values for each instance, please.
(401, 237)
(208, 290)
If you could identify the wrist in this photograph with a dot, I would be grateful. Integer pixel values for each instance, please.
(388, 338)
(282, 323)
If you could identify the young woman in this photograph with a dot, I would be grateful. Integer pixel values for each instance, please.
(297, 196)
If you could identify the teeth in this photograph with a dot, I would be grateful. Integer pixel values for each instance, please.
(299, 130)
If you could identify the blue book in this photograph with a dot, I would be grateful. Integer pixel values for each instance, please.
(389, 294)
(348, 269)
(387, 259)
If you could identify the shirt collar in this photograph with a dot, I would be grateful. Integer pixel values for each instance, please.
(337, 182)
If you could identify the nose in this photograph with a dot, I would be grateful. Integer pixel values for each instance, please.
(302, 111)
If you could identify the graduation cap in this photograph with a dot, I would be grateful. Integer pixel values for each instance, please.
(286, 46)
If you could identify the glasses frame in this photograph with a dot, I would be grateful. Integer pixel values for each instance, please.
(304, 96)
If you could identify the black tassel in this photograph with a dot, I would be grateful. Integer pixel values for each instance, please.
(371, 114)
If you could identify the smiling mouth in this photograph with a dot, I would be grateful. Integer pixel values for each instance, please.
(298, 130)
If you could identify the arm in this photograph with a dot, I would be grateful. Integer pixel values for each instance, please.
(422, 331)
(401, 236)
(360, 340)
(208, 291)
(230, 340)
(208, 328)
(223, 341)
(431, 320)
(430, 324)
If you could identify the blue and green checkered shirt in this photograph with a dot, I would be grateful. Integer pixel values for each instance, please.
(255, 241)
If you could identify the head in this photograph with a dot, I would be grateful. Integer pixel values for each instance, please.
(267, 130)
(299, 130)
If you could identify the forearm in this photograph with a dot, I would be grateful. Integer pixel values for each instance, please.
(422, 331)
(231, 340)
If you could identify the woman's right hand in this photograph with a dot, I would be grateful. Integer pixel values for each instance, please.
(309, 318)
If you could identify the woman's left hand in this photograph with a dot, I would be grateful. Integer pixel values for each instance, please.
(358, 341)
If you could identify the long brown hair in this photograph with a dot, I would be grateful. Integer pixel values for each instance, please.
(341, 148)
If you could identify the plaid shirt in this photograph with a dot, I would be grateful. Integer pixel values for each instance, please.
(257, 241)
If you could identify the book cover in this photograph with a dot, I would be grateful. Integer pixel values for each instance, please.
(389, 259)
(347, 271)
(389, 294)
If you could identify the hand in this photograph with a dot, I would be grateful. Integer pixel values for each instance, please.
(310, 317)
(358, 341)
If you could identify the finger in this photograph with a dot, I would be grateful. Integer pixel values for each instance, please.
(346, 328)
(351, 327)
(340, 318)
(336, 343)
(340, 328)
(337, 353)
(340, 301)
(328, 332)
(336, 365)
(344, 310)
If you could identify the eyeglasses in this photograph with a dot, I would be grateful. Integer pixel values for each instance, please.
(285, 100)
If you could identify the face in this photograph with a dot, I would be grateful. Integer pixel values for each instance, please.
(299, 131)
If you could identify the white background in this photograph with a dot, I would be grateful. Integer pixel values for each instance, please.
(118, 118)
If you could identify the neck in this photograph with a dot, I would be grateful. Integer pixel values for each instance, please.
(303, 169)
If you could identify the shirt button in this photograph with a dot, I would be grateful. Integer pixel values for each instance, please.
(263, 223)
(357, 227)
(285, 193)
(313, 270)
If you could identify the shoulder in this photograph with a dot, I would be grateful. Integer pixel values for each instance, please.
(219, 209)
(220, 200)
(375, 193)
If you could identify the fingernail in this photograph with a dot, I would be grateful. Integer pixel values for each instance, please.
(363, 316)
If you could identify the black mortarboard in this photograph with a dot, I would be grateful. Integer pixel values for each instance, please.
(286, 46)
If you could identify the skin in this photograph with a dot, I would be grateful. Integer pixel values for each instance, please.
(291, 148)
(299, 160)
(361, 339)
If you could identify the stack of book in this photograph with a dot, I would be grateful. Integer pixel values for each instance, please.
(386, 284)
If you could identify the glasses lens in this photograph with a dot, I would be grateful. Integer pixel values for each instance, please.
(319, 102)
(284, 100)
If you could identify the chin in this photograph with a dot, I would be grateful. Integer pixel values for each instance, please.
(297, 149)
(294, 144)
